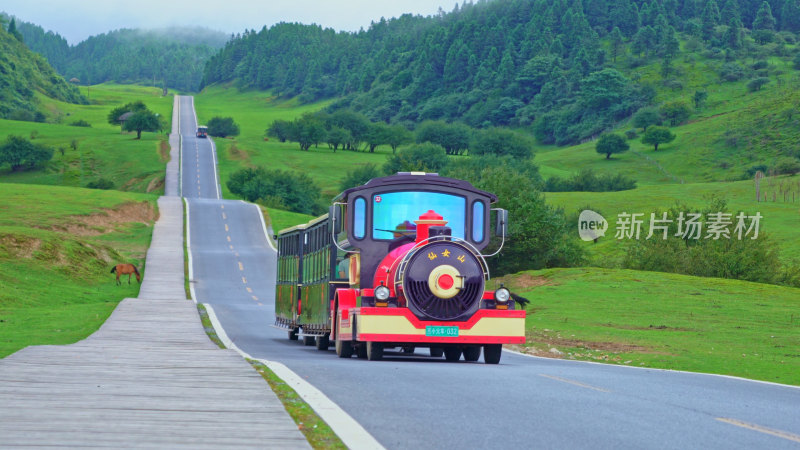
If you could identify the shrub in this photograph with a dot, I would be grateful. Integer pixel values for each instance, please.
(675, 112)
(359, 176)
(787, 166)
(222, 127)
(21, 154)
(631, 134)
(587, 181)
(731, 72)
(294, 191)
(425, 157)
(500, 142)
(100, 183)
(80, 123)
(758, 65)
(746, 259)
(757, 83)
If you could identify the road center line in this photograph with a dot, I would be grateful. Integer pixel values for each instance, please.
(244, 280)
(760, 429)
(226, 227)
(229, 238)
(573, 382)
(241, 267)
(224, 217)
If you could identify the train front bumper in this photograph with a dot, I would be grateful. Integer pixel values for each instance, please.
(400, 325)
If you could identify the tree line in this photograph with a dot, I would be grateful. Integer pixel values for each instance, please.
(547, 65)
(172, 58)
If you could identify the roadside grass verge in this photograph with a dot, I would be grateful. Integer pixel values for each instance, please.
(666, 321)
(280, 219)
(102, 150)
(57, 247)
(780, 220)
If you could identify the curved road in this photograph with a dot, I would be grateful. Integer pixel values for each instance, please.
(420, 402)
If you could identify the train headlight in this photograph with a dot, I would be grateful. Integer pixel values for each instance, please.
(502, 295)
(382, 293)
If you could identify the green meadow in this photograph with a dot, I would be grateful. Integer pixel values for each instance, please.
(254, 111)
(57, 246)
(99, 151)
(661, 320)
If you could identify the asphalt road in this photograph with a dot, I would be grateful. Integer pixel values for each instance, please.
(420, 402)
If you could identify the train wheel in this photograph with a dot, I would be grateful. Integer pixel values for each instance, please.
(452, 353)
(293, 334)
(472, 353)
(322, 342)
(409, 350)
(492, 353)
(437, 352)
(344, 349)
(374, 351)
(361, 350)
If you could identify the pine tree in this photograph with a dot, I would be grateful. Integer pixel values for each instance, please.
(790, 16)
(617, 44)
(710, 19)
(730, 10)
(764, 19)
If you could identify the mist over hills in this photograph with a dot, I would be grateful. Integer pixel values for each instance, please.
(172, 57)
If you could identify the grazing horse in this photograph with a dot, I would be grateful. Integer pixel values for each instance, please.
(126, 269)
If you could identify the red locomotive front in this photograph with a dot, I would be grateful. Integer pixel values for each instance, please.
(410, 245)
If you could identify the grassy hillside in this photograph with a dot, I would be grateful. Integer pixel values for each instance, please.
(254, 111)
(23, 74)
(102, 150)
(667, 321)
(780, 219)
(57, 246)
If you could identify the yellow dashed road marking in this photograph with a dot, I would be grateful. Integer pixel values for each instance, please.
(241, 267)
(255, 298)
(573, 382)
(229, 238)
(244, 280)
(224, 216)
(249, 290)
(226, 227)
(760, 429)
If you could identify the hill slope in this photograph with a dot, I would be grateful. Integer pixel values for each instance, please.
(22, 74)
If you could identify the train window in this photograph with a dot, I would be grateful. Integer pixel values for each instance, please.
(394, 213)
(477, 221)
(360, 218)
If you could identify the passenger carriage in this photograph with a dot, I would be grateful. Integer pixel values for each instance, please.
(416, 277)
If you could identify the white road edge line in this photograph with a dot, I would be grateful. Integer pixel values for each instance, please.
(189, 252)
(264, 226)
(770, 383)
(348, 429)
(351, 432)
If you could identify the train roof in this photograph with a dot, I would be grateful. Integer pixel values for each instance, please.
(416, 178)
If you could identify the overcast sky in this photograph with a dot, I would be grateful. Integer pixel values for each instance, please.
(76, 20)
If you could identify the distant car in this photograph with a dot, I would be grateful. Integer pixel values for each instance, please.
(202, 131)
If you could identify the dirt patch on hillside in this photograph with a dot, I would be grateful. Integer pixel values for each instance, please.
(524, 281)
(155, 184)
(236, 154)
(163, 151)
(19, 246)
(107, 221)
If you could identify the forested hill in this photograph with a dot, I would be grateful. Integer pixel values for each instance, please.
(22, 74)
(553, 65)
(174, 56)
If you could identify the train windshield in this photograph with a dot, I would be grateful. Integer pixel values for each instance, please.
(394, 213)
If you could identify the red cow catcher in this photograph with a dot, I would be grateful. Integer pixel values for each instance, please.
(397, 262)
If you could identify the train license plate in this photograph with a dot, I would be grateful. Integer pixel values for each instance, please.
(441, 331)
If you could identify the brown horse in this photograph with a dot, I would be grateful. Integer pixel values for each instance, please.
(126, 269)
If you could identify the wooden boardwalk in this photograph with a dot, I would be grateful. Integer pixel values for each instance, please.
(149, 378)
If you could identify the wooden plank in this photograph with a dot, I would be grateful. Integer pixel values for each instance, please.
(149, 378)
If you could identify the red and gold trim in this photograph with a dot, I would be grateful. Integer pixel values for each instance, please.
(486, 326)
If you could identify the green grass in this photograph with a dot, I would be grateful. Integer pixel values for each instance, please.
(780, 220)
(280, 219)
(55, 263)
(254, 111)
(102, 151)
(667, 321)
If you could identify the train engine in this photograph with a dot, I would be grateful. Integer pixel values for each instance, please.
(405, 270)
